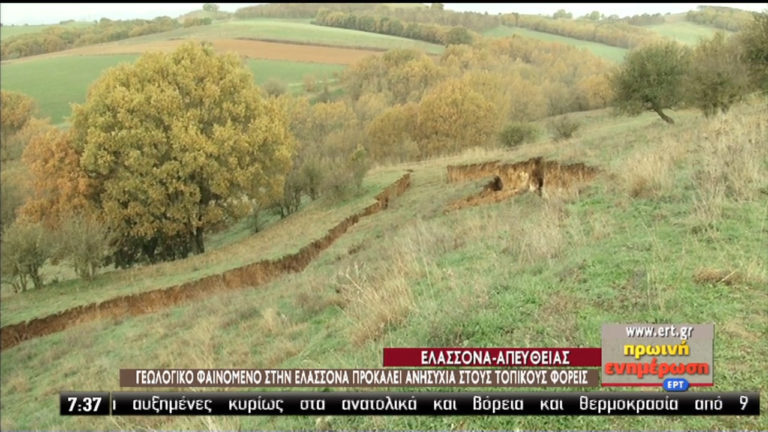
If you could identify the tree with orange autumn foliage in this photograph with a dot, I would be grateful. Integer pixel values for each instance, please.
(17, 111)
(59, 185)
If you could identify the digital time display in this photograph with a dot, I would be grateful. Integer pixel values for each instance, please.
(84, 403)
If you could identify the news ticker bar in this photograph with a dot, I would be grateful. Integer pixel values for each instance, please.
(405, 403)
(359, 378)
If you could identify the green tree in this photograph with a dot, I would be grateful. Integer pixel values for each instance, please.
(754, 41)
(716, 78)
(515, 134)
(458, 35)
(176, 144)
(26, 247)
(274, 87)
(84, 242)
(651, 78)
(593, 16)
(561, 13)
(211, 7)
(12, 195)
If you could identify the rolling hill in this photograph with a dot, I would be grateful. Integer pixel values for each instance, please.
(519, 272)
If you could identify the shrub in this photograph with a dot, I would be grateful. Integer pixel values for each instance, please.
(274, 88)
(716, 78)
(85, 243)
(12, 195)
(310, 83)
(564, 127)
(25, 250)
(517, 133)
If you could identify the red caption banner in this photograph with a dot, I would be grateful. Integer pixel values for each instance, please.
(540, 357)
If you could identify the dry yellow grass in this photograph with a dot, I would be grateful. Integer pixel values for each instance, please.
(649, 173)
(375, 302)
(729, 155)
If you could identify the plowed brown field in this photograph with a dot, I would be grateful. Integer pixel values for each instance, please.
(257, 49)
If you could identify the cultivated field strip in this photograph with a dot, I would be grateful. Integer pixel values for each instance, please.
(247, 276)
(249, 48)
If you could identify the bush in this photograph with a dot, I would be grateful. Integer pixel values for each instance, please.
(310, 83)
(25, 250)
(348, 178)
(359, 164)
(85, 243)
(293, 189)
(197, 21)
(564, 128)
(754, 40)
(274, 87)
(517, 133)
(12, 195)
(717, 78)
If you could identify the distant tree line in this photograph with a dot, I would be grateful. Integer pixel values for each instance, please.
(636, 20)
(610, 32)
(478, 22)
(197, 21)
(301, 10)
(721, 17)
(433, 33)
(423, 15)
(58, 38)
(643, 20)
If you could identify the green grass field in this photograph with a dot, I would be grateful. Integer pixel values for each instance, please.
(676, 27)
(290, 30)
(288, 72)
(15, 30)
(68, 78)
(669, 202)
(607, 52)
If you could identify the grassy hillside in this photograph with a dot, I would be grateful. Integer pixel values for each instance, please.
(290, 30)
(672, 206)
(56, 82)
(607, 52)
(67, 78)
(676, 27)
(284, 237)
(7, 31)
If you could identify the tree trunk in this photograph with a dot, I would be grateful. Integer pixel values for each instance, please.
(36, 279)
(661, 114)
(149, 248)
(199, 245)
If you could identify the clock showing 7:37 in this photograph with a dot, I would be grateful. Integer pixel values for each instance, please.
(84, 403)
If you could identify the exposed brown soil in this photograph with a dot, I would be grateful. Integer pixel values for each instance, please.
(151, 301)
(544, 178)
(250, 48)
